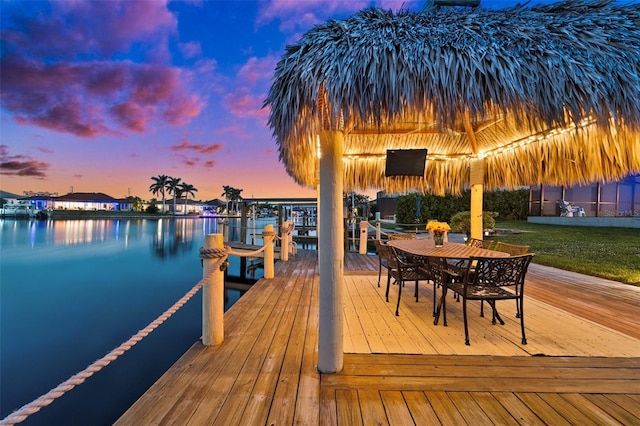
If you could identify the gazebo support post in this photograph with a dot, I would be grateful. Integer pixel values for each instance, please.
(477, 188)
(331, 253)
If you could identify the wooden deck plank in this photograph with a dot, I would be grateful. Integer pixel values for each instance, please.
(420, 408)
(328, 407)
(444, 408)
(371, 406)
(284, 399)
(266, 370)
(308, 401)
(506, 413)
(518, 409)
(348, 410)
(396, 408)
(239, 379)
(261, 399)
(543, 409)
(596, 414)
(619, 406)
(469, 408)
(568, 411)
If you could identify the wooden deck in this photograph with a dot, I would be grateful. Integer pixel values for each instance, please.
(581, 366)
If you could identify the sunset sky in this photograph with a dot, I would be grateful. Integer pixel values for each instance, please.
(99, 96)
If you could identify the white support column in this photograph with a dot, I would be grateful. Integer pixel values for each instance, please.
(477, 189)
(212, 295)
(269, 256)
(364, 236)
(331, 254)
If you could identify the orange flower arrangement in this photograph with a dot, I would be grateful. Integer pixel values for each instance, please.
(438, 227)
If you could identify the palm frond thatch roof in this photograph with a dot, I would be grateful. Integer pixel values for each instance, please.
(544, 94)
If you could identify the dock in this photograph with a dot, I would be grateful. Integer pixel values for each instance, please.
(581, 366)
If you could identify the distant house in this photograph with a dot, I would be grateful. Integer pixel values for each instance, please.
(193, 207)
(86, 201)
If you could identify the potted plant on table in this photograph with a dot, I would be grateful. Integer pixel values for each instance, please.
(438, 229)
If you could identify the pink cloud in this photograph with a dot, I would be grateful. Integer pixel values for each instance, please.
(199, 148)
(131, 115)
(21, 165)
(304, 14)
(243, 104)
(258, 69)
(236, 131)
(191, 49)
(209, 164)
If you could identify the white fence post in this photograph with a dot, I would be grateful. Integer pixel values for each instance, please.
(224, 226)
(284, 248)
(268, 238)
(378, 233)
(213, 294)
(364, 236)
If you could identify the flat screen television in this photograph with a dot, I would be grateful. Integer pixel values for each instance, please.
(405, 162)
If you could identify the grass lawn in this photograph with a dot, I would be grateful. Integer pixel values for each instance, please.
(612, 253)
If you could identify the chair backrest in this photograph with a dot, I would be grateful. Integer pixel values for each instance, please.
(403, 236)
(485, 244)
(499, 271)
(512, 249)
(386, 254)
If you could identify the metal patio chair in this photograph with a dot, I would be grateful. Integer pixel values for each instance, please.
(403, 269)
(490, 279)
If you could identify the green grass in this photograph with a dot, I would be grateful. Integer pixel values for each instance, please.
(611, 253)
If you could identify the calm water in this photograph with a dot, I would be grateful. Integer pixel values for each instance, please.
(73, 290)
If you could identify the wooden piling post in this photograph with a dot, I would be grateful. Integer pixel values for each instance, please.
(364, 236)
(269, 258)
(213, 294)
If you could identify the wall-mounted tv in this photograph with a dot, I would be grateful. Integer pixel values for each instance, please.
(405, 162)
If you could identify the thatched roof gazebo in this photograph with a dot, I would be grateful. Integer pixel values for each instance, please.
(499, 98)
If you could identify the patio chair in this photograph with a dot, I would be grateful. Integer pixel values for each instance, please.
(383, 255)
(403, 269)
(512, 249)
(485, 244)
(491, 279)
(441, 272)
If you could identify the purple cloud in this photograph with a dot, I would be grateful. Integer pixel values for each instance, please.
(71, 83)
(21, 165)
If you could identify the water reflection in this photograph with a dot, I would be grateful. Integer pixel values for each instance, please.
(173, 237)
(72, 290)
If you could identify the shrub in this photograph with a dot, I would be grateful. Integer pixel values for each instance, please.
(461, 222)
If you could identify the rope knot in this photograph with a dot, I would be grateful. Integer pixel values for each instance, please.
(213, 253)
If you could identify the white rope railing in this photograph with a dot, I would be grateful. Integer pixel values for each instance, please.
(77, 379)
(267, 235)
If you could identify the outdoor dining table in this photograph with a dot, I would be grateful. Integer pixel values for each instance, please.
(427, 248)
(449, 251)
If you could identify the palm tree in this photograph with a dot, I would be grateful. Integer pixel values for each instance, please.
(235, 197)
(187, 189)
(173, 187)
(228, 193)
(158, 186)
